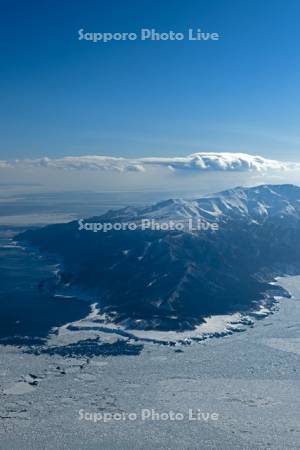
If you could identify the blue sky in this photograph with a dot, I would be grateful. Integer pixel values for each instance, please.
(61, 97)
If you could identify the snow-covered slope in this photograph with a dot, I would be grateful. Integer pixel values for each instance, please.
(172, 279)
(255, 203)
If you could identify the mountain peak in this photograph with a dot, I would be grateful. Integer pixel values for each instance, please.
(171, 280)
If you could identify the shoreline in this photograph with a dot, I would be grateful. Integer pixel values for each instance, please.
(214, 326)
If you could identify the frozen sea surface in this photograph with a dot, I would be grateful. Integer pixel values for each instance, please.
(250, 380)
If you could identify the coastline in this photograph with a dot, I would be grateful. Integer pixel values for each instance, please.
(215, 326)
(250, 379)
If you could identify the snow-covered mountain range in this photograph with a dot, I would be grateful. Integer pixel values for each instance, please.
(172, 279)
(251, 204)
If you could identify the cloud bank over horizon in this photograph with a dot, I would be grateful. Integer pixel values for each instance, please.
(196, 162)
(204, 172)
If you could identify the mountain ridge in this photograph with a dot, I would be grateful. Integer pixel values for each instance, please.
(173, 279)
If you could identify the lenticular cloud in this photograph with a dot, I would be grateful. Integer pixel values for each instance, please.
(239, 162)
(199, 162)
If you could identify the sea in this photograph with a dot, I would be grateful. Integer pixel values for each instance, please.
(237, 391)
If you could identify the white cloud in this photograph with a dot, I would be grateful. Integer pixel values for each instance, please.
(4, 164)
(93, 162)
(237, 162)
(197, 162)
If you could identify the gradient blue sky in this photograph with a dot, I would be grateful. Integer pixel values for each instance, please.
(60, 96)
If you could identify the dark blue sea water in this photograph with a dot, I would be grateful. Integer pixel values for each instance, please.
(25, 311)
(26, 314)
